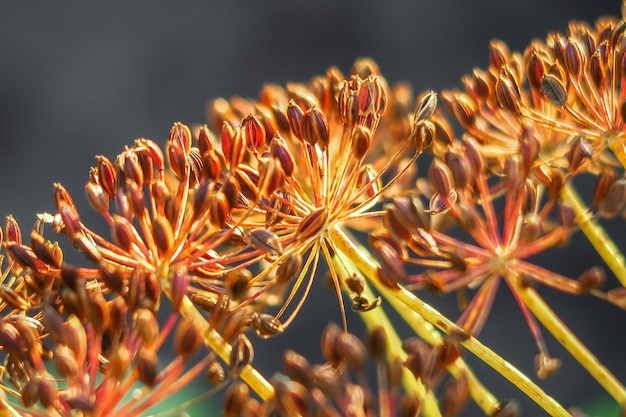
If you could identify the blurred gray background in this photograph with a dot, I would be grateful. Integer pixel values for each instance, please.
(80, 79)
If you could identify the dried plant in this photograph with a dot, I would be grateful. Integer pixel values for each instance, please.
(217, 239)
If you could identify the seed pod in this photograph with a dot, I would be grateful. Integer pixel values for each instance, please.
(289, 269)
(507, 94)
(499, 54)
(253, 132)
(298, 368)
(241, 355)
(508, 408)
(546, 365)
(235, 398)
(613, 203)
(553, 90)
(47, 392)
(97, 198)
(535, 69)
(65, 362)
(463, 108)
(119, 362)
(187, 339)
(360, 138)
(107, 175)
(237, 282)
(315, 128)
(266, 241)
(592, 279)
(377, 343)
(266, 325)
(147, 366)
(440, 177)
(390, 261)
(455, 396)
(295, 114)
(146, 325)
(312, 225)
(215, 373)
(280, 151)
(425, 107)
(178, 160)
(156, 158)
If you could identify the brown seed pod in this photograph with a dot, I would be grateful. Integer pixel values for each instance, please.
(266, 325)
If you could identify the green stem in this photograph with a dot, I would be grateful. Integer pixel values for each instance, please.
(596, 235)
(367, 266)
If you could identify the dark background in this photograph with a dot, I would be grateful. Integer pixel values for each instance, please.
(78, 80)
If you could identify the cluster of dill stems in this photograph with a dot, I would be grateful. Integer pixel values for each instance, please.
(225, 229)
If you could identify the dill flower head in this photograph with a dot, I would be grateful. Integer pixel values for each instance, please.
(309, 159)
(560, 103)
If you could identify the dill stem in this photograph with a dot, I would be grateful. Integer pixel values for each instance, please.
(566, 337)
(368, 267)
(595, 233)
(378, 318)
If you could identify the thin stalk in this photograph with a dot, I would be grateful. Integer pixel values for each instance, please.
(576, 348)
(367, 266)
(595, 233)
(215, 342)
(481, 396)
(378, 318)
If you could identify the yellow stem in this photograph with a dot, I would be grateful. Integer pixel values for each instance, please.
(377, 317)
(215, 342)
(368, 267)
(481, 396)
(564, 335)
(595, 233)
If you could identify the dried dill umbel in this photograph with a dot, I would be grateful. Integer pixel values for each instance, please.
(217, 236)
